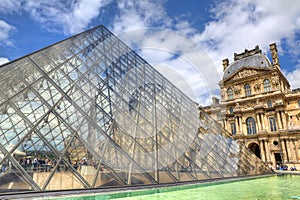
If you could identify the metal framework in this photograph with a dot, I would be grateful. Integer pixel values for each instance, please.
(89, 112)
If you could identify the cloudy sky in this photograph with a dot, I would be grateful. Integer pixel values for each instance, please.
(184, 40)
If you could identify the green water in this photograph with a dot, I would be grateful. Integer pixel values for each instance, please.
(274, 187)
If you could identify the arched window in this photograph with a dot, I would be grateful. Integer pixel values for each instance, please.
(267, 85)
(230, 93)
(251, 126)
(247, 88)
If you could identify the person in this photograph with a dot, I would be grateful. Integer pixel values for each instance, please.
(3, 168)
(84, 162)
(75, 165)
(35, 163)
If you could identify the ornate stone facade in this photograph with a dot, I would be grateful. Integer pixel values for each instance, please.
(258, 107)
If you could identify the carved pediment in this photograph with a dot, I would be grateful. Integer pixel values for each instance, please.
(244, 73)
(248, 105)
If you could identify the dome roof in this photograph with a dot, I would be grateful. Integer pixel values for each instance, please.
(257, 61)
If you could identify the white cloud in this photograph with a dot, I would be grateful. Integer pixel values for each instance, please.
(69, 17)
(5, 31)
(73, 16)
(175, 54)
(3, 61)
(172, 53)
(140, 14)
(10, 6)
(294, 77)
(244, 24)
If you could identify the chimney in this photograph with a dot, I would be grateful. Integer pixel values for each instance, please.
(225, 63)
(215, 101)
(274, 54)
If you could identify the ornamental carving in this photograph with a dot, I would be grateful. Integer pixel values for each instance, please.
(237, 106)
(270, 113)
(249, 105)
(275, 81)
(298, 116)
(257, 86)
(223, 93)
(236, 90)
(244, 73)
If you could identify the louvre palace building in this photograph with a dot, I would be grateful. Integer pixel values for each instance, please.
(259, 108)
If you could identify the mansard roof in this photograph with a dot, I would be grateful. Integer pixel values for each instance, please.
(257, 60)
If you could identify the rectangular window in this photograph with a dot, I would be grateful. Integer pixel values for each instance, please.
(272, 124)
(231, 110)
(247, 88)
(269, 102)
(233, 128)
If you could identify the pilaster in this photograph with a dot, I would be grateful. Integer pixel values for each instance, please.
(292, 150)
(267, 147)
(262, 151)
(278, 120)
(283, 150)
(297, 150)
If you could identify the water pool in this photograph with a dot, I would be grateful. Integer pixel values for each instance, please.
(273, 187)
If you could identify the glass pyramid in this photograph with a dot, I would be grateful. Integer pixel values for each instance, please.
(88, 112)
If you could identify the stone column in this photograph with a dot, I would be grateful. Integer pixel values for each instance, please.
(258, 122)
(262, 151)
(292, 150)
(284, 122)
(283, 150)
(262, 121)
(278, 120)
(297, 150)
(244, 127)
(237, 125)
(268, 153)
(289, 157)
(241, 124)
(281, 119)
(225, 124)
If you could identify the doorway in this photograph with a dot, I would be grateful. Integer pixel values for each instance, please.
(278, 159)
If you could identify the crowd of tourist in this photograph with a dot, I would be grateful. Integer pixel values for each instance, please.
(285, 167)
(44, 164)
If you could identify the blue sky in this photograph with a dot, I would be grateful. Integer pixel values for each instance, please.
(184, 40)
